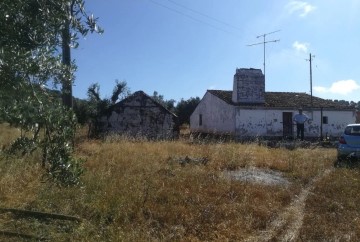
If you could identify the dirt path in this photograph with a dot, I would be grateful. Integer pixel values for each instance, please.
(287, 225)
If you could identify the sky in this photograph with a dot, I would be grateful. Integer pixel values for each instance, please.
(181, 48)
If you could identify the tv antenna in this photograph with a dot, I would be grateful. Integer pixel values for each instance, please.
(264, 42)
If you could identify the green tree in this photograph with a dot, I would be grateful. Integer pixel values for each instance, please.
(102, 107)
(32, 52)
(169, 104)
(185, 108)
(81, 109)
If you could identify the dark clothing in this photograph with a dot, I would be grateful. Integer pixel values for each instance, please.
(300, 131)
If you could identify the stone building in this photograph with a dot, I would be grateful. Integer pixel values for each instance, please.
(139, 115)
(249, 111)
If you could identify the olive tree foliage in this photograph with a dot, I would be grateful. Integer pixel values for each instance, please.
(31, 55)
(168, 104)
(183, 109)
(99, 108)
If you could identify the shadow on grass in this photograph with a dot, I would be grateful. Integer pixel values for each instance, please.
(350, 163)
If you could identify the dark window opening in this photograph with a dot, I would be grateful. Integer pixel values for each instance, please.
(325, 120)
(200, 119)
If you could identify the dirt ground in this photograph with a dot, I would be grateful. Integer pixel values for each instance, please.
(286, 226)
(256, 175)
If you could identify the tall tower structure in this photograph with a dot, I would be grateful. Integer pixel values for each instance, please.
(249, 86)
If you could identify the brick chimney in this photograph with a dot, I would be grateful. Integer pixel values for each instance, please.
(249, 86)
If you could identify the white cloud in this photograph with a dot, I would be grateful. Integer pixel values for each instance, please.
(343, 87)
(301, 47)
(300, 7)
(321, 89)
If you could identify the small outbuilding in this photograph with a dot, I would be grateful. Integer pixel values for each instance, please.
(139, 115)
(248, 111)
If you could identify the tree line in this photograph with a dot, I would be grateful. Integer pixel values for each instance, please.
(94, 107)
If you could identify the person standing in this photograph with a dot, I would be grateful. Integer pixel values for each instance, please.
(300, 120)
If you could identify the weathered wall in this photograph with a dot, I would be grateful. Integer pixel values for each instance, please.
(337, 121)
(217, 116)
(248, 86)
(140, 116)
(260, 122)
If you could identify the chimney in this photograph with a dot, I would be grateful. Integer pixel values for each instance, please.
(249, 86)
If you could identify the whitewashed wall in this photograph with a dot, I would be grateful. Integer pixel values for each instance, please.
(337, 121)
(217, 116)
(260, 122)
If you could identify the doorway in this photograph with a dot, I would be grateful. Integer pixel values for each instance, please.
(287, 125)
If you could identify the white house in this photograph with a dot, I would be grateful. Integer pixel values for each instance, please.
(248, 111)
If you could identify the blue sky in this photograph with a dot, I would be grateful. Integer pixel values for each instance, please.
(181, 48)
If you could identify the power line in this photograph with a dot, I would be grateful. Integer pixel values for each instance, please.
(190, 17)
(204, 15)
(264, 42)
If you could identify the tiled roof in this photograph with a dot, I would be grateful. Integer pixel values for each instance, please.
(284, 100)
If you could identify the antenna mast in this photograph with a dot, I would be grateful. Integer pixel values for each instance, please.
(265, 42)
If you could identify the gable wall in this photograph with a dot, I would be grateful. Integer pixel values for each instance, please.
(140, 116)
(217, 116)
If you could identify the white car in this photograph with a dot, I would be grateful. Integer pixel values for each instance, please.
(349, 143)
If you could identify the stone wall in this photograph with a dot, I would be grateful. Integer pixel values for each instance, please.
(141, 116)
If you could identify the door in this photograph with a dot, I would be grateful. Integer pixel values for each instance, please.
(287, 125)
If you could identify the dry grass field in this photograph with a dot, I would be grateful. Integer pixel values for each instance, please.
(135, 190)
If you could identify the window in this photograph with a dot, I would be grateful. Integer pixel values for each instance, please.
(200, 119)
(352, 130)
(325, 120)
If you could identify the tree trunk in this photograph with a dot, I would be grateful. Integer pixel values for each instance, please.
(66, 60)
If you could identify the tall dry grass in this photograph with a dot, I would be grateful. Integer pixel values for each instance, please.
(137, 190)
(333, 209)
(8, 134)
(17, 174)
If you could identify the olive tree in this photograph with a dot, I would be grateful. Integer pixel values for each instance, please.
(35, 41)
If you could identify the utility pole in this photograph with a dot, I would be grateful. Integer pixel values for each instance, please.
(264, 42)
(310, 60)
